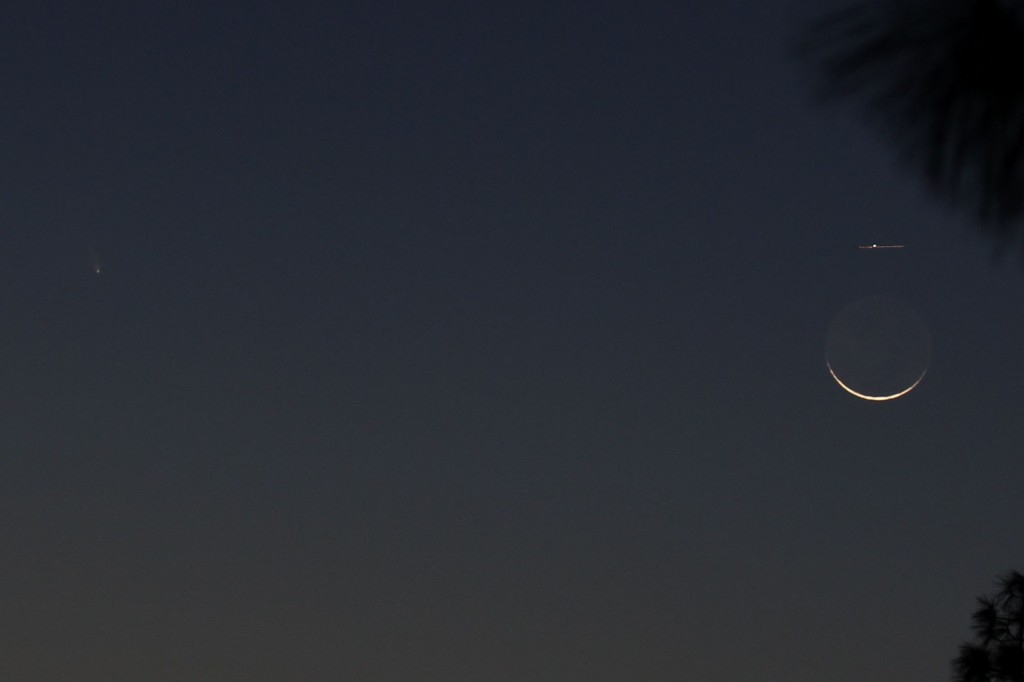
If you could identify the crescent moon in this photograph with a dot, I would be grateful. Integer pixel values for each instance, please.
(877, 398)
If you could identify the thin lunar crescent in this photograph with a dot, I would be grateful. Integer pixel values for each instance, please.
(877, 398)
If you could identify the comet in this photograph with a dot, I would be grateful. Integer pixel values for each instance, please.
(881, 246)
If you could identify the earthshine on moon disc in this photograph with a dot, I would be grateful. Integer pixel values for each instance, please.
(877, 348)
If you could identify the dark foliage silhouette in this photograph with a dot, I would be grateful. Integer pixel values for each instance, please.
(944, 81)
(997, 652)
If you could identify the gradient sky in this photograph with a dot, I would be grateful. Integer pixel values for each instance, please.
(476, 342)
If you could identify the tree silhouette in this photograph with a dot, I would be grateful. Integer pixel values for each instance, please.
(997, 652)
(944, 81)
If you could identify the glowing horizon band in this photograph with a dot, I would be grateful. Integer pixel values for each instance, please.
(876, 398)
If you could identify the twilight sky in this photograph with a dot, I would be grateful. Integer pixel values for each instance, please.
(475, 342)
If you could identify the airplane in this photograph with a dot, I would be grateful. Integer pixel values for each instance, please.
(881, 246)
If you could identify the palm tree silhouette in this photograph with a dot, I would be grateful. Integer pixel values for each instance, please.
(997, 653)
(943, 80)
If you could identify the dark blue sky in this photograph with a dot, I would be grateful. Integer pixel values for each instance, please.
(483, 343)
